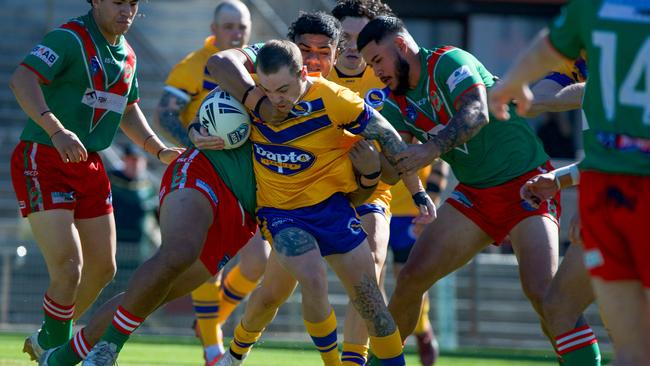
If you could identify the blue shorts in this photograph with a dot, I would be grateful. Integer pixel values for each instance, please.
(402, 238)
(333, 223)
(367, 208)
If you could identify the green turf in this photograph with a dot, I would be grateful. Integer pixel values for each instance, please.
(165, 351)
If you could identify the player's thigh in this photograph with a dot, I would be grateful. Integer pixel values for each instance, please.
(571, 285)
(624, 308)
(97, 236)
(253, 257)
(445, 245)
(377, 227)
(355, 269)
(189, 280)
(535, 243)
(185, 218)
(57, 238)
(276, 286)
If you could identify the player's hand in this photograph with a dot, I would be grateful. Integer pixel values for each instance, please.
(203, 141)
(168, 154)
(69, 146)
(539, 189)
(365, 157)
(574, 230)
(416, 157)
(500, 96)
(426, 207)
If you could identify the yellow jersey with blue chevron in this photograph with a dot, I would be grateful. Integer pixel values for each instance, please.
(190, 79)
(304, 160)
(570, 72)
(373, 91)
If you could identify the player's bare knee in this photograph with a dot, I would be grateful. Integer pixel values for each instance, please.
(67, 274)
(535, 293)
(313, 283)
(409, 282)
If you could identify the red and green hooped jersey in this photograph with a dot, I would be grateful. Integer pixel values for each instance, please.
(616, 104)
(87, 82)
(501, 151)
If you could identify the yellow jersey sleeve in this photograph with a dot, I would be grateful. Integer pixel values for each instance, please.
(570, 72)
(346, 109)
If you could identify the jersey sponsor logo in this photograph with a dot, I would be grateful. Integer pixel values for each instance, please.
(375, 97)
(104, 100)
(95, 66)
(302, 109)
(285, 160)
(354, 225)
(45, 54)
(63, 197)
(457, 77)
(411, 112)
(128, 73)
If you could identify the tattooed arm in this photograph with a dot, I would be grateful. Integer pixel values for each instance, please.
(471, 116)
(167, 116)
(379, 129)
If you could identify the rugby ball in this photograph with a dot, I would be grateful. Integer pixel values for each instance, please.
(225, 117)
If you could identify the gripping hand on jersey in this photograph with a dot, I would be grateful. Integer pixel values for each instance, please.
(201, 138)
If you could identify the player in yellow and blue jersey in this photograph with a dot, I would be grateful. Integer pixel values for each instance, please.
(310, 150)
(185, 88)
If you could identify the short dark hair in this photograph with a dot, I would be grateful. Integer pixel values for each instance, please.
(316, 22)
(378, 29)
(276, 54)
(361, 9)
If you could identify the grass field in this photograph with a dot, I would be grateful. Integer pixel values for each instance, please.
(157, 351)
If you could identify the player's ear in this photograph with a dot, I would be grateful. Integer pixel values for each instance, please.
(213, 28)
(400, 42)
(303, 73)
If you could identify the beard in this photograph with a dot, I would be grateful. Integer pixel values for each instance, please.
(402, 71)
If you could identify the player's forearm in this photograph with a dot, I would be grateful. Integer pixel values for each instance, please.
(25, 86)
(437, 180)
(135, 127)
(534, 62)
(471, 116)
(551, 97)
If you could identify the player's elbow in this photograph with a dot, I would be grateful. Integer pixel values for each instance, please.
(217, 63)
(481, 118)
(18, 78)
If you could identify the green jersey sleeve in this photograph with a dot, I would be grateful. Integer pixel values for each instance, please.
(456, 73)
(391, 112)
(565, 30)
(134, 92)
(251, 53)
(50, 56)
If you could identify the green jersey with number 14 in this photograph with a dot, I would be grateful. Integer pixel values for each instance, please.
(616, 105)
(500, 152)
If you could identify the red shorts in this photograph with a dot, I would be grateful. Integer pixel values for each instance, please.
(42, 181)
(615, 212)
(496, 210)
(232, 227)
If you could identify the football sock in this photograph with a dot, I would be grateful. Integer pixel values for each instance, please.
(206, 303)
(579, 347)
(72, 352)
(123, 324)
(242, 341)
(323, 335)
(57, 323)
(234, 290)
(388, 349)
(354, 354)
(423, 322)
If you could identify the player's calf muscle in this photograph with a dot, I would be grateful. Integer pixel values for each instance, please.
(370, 304)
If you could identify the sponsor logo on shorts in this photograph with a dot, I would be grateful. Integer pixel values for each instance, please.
(223, 262)
(354, 225)
(283, 160)
(207, 189)
(375, 97)
(30, 173)
(526, 206)
(593, 258)
(460, 197)
(63, 197)
(162, 192)
(22, 205)
(45, 54)
(458, 76)
(281, 221)
(109, 199)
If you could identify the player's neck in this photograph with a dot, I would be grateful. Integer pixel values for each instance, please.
(415, 69)
(112, 39)
(344, 71)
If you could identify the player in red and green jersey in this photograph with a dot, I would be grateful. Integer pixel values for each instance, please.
(440, 97)
(77, 87)
(615, 183)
